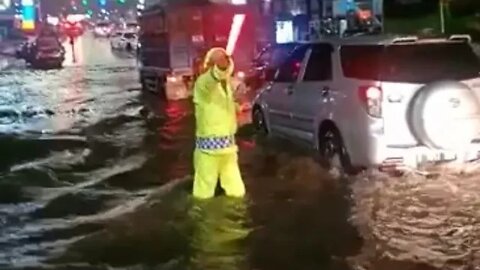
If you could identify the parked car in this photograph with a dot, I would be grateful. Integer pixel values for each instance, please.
(42, 52)
(103, 29)
(122, 40)
(377, 101)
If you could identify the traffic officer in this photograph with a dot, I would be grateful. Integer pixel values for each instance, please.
(215, 155)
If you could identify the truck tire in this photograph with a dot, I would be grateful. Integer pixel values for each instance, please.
(160, 88)
(129, 47)
(154, 85)
(444, 115)
(143, 83)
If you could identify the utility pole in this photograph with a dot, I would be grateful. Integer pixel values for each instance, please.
(39, 10)
(442, 16)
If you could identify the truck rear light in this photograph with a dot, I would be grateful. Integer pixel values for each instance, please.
(371, 97)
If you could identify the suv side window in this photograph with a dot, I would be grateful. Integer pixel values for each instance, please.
(265, 55)
(289, 70)
(319, 67)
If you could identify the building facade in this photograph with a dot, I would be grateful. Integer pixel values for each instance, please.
(7, 17)
(306, 18)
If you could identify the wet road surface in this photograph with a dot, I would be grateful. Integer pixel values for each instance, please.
(97, 175)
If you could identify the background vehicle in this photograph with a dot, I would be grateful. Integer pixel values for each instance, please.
(266, 62)
(173, 39)
(131, 27)
(43, 52)
(378, 101)
(103, 29)
(124, 41)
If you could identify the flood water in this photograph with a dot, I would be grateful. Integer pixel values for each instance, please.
(96, 174)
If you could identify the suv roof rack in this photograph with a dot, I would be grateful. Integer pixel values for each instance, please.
(465, 38)
(405, 39)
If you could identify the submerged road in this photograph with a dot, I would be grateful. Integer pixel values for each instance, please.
(96, 174)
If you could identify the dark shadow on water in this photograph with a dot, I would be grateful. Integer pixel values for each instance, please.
(56, 234)
(18, 149)
(74, 204)
(12, 193)
(300, 212)
(185, 234)
(220, 229)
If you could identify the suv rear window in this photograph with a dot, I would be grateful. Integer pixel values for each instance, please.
(415, 63)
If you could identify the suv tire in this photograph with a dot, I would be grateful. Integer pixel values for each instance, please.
(258, 120)
(129, 47)
(332, 151)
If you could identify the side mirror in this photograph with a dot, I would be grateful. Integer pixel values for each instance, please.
(270, 74)
(258, 63)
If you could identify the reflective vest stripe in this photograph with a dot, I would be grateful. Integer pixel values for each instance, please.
(214, 143)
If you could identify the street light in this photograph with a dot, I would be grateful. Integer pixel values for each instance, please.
(442, 4)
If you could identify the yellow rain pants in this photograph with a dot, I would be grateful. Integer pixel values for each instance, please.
(220, 228)
(215, 154)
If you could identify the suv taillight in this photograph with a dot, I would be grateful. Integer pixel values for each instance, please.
(371, 97)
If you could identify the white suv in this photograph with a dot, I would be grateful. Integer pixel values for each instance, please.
(377, 101)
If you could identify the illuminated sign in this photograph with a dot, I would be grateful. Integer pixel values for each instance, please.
(239, 2)
(284, 32)
(5, 4)
(28, 14)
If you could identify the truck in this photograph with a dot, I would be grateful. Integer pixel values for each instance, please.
(347, 17)
(174, 37)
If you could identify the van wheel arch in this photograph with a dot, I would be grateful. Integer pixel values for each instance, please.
(330, 145)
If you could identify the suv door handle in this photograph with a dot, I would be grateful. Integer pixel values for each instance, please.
(325, 91)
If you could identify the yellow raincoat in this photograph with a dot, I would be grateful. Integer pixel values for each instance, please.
(215, 154)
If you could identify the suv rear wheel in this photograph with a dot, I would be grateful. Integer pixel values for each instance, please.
(333, 154)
